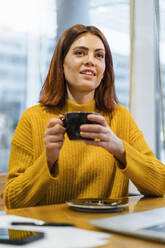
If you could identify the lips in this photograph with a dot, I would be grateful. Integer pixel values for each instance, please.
(88, 72)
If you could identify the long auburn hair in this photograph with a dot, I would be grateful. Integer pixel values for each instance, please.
(53, 92)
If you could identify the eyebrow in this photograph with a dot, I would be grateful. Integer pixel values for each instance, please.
(85, 48)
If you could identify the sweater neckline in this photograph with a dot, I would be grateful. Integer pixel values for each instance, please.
(72, 106)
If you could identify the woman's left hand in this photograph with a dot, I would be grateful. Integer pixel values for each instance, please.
(103, 136)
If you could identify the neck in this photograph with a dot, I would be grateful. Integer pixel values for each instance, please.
(81, 97)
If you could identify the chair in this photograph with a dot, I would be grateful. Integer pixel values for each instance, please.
(3, 177)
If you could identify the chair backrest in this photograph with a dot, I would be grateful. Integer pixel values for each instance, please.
(3, 177)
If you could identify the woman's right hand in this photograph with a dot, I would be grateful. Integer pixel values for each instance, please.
(54, 138)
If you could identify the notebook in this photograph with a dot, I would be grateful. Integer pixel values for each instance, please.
(148, 224)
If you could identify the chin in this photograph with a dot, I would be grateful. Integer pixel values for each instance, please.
(87, 89)
(89, 86)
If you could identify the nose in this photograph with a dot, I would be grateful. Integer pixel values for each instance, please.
(90, 60)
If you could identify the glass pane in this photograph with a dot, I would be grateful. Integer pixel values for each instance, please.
(162, 62)
(27, 36)
(112, 17)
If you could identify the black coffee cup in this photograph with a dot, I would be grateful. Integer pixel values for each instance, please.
(72, 122)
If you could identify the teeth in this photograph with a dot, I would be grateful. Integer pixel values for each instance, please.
(88, 73)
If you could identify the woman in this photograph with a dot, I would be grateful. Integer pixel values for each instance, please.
(46, 167)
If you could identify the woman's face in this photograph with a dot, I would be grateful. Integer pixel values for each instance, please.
(84, 64)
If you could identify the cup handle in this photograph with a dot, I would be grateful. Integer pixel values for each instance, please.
(63, 121)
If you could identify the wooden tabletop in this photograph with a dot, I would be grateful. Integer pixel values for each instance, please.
(63, 213)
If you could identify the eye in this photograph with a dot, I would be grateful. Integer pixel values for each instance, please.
(79, 52)
(100, 55)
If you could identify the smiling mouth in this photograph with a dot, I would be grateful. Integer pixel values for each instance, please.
(89, 73)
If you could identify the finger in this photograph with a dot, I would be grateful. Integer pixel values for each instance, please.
(91, 135)
(61, 116)
(54, 146)
(92, 128)
(53, 122)
(55, 130)
(54, 138)
(95, 136)
(97, 118)
(95, 143)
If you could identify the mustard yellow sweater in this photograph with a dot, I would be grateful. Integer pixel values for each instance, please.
(83, 170)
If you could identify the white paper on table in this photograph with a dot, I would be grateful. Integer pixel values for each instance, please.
(61, 237)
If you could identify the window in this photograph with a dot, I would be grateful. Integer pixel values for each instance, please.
(117, 33)
(162, 67)
(27, 31)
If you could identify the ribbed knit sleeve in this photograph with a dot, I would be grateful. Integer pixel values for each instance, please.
(27, 176)
(146, 172)
(142, 167)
